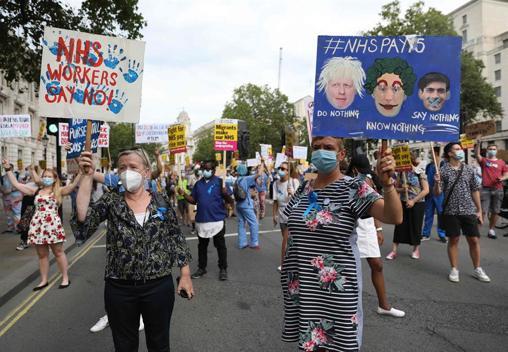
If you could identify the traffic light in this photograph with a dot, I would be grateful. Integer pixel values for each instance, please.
(52, 126)
(243, 140)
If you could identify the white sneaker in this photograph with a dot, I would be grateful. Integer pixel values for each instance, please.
(100, 325)
(396, 313)
(454, 275)
(480, 275)
(141, 324)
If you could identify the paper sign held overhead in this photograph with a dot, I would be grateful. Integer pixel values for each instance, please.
(104, 136)
(402, 157)
(389, 87)
(465, 142)
(485, 128)
(177, 137)
(279, 159)
(77, 136)
(63, 133)
(15, 126)
(252, 162)
(299, 152)
(90, 75)
(226, 135)
(157, 133)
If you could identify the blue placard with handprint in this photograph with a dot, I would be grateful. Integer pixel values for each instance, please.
(90, 75)
(401, 87)
(77, 137)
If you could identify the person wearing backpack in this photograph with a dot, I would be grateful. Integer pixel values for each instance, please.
(245, 208)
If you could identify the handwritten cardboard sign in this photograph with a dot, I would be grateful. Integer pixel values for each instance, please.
(15, 126)
(90, 75)
(484, 128)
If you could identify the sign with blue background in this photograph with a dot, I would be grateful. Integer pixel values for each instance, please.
(77, 136)
(402, 87)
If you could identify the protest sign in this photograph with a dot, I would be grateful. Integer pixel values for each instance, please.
(42, 129)
(252, 162)
(402, 157)
(291, 140)
(63, 133)
(103, 141)
(484, 128)
(226, 135)
(502, 154)
(279, 159)
(172, 160)
(177, 137)
(218, 156)
(266, 150)
(403, 87)
(299, 152)
(465, 142)
(309, 106)
(77, 136)
(20, 164)
(90, 75)
(15, 126)
(157, 133)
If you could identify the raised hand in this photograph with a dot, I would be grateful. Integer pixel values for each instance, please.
(386, 167)
(86, 163)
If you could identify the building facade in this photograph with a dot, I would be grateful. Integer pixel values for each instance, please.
(483, 25)
(21, 98)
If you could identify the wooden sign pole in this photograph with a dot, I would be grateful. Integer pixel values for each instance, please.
(404, 182)
(88, 140)
(434, 157)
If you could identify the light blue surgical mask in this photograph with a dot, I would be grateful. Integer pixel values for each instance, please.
(491, 153)
(47, 181)
(207, 173)
(460, 155)
(282, 173)
(325, 161)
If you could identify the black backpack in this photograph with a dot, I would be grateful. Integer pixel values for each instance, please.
(238, 192)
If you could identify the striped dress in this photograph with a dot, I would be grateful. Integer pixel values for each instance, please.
(321, 274)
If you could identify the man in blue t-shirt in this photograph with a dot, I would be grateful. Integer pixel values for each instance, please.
(210, 196)
(245, 209)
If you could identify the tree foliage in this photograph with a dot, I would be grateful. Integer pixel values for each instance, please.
(267, 112)
(477, 95)
(22, 25)
(204, 148)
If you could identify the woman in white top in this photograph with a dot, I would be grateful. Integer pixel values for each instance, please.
(283, 189)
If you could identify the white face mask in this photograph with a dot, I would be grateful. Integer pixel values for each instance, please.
(131, 180)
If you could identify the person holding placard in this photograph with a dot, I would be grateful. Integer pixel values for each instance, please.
(321, 272)
(262, 185)
(462, 209)
(494, 173)
(46, 230)
(143, 243)
(283, 189)
(412, 187)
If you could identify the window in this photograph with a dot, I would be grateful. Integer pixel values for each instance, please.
(3, 152)
(2, 107)
(497, 91)
(17, 109)
(464, 19)
(32, 158)
(497, 58)
(20, 154)
(499, 126)
(505, 43)
(464, 36)
(497, 75)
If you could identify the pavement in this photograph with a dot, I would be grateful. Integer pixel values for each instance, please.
(245, 312)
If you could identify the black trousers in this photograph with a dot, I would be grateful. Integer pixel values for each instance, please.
(125, 302)
(219, 241)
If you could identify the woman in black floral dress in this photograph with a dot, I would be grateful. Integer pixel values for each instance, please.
(142, 244)
(321, 276)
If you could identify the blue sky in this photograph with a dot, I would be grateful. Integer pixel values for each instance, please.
(197, 52)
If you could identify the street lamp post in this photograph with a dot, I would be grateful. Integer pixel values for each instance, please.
(45, 141)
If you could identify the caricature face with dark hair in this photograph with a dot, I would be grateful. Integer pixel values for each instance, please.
(434, 95)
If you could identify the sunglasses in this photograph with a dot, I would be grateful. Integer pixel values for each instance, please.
(283, 169)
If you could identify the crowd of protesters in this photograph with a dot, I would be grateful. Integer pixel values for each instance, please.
(330, 215)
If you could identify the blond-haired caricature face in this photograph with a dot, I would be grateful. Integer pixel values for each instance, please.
(340, 92)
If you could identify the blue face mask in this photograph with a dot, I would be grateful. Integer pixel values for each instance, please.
(47, 181)
(241, 169)
(325, 161)
(491, 153)
(282, 173)
(460, 155)
(207, 173)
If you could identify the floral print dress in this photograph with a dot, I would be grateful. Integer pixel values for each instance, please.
(321, 274)
(46, 225)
